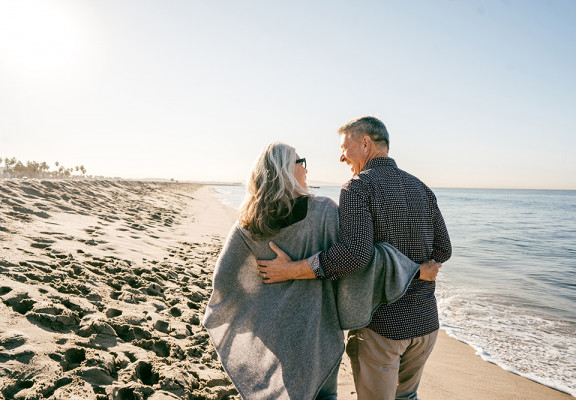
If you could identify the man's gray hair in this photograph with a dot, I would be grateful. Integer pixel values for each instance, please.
(363, 126)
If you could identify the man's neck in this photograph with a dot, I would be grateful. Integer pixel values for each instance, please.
(377, 154)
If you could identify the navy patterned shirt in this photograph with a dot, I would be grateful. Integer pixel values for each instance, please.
(385, 204)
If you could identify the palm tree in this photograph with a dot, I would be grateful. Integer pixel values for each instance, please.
(9, 162)
(44, 168)
(19, 170)
(32, 169)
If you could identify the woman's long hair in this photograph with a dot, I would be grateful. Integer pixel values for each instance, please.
(270, 187)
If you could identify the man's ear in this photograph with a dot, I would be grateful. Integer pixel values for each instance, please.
(366, 140)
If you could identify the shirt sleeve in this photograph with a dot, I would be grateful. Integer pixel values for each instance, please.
(442, 247)
(314, 264)
(354, 250)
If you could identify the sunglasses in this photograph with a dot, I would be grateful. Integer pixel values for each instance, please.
(301, 161)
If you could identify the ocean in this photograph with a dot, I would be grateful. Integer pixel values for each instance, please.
(509, 290)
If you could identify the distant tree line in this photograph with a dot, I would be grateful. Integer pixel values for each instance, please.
(32, 169)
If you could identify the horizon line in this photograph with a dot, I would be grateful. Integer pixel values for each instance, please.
(239, 183)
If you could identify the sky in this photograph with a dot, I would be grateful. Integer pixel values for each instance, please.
(473, 93)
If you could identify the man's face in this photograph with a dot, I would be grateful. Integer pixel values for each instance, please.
(352, 153)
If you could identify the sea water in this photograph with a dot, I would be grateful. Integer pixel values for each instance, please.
(509, 290)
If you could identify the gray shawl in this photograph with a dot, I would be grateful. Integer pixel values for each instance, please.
(283, 340)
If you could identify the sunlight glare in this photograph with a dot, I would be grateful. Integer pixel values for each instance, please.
(36, 36)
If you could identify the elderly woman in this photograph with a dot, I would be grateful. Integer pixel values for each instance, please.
(285, 340)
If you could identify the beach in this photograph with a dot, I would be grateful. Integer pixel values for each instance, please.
(103, 286)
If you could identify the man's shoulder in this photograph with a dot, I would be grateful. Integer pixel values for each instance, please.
(408, 176)
(382, 177)
(391, 172)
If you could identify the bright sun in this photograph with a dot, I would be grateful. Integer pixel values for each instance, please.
(36, 36)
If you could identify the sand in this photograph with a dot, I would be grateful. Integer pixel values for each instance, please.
(102, 288)
(103, 285)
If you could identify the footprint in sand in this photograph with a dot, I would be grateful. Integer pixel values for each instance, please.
(155, 289)
(4, 290)
(176, 312)
(12, 340)
(54, 317)
(19, 302)
(71, 359)
(130, 333)
(113, 312)
(162, 326)
(41, 243)
(9, 343)
(10, 390)
(99, 332)
(160, 347)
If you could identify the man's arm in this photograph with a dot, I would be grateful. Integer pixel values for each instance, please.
(356, 227)
(353, 252)
(282, 268)
(442, 247)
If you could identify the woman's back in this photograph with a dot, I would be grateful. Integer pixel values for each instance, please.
(289, 330)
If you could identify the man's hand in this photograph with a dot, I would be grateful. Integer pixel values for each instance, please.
(429, 270)
(282, 268)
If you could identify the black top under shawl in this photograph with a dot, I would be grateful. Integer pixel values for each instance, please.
(299, 211)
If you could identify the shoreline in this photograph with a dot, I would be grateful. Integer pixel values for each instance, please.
(455, 371)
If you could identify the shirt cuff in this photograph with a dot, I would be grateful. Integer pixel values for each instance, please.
(315, 266)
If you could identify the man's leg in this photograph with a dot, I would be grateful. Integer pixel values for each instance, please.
(375, 363)
(412, 365)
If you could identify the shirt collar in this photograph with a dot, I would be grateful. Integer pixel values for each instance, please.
(380, 162)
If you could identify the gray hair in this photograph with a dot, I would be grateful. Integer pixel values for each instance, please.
(366, 126)
(270, 187)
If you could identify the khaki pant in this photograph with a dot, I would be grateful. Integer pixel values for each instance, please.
(386, 369)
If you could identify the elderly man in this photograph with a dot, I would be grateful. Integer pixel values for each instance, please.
(381, 203)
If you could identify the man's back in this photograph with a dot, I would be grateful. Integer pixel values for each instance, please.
(404, 212)
(386, 204)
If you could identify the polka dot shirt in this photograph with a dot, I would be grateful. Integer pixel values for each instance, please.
(386, 204)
